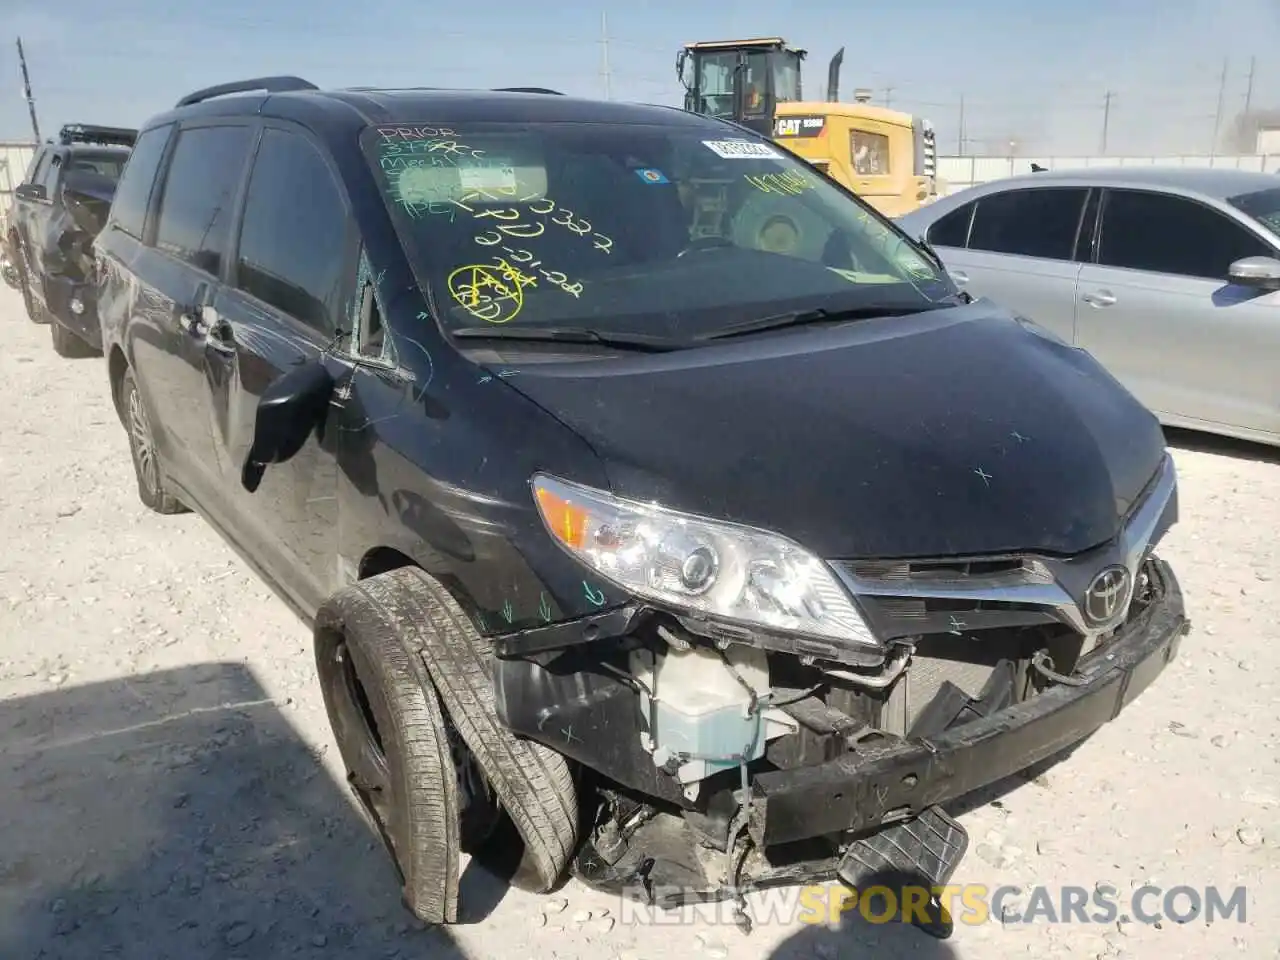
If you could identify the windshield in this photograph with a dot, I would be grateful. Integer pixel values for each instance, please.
(1263, 206)
(653, 230)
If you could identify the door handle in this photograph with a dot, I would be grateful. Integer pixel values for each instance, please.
(193, 322)
(191, 316)
(959, 276)
(1100, 299)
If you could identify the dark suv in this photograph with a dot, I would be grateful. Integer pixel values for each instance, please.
(57, 212)
(663, 513)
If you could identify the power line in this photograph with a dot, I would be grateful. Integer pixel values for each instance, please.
(26, 90)
(1106, 119)
(1248, 90)
(604, 52)
(1222, 97)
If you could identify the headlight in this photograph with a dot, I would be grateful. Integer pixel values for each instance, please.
(705, 566)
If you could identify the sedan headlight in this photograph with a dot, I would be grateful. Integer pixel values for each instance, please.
(705, 566)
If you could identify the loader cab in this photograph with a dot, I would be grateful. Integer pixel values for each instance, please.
(740, 80)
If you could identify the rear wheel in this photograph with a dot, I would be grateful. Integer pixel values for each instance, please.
(146, 468)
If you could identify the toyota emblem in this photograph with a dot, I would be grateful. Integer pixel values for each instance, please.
(1106, 595)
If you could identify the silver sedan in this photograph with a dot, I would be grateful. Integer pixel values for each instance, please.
(1169, 276)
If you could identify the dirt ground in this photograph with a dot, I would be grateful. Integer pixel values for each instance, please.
(168, 786)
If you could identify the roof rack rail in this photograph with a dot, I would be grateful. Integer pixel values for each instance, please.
(554, 93)
(266, 84)
(92, 133)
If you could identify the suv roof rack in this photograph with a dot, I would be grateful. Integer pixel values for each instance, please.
(554, 93)
(92, 133)
(266, 84)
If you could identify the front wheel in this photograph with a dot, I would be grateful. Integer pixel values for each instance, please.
(402, 762)
(23, 266)
(534, 783)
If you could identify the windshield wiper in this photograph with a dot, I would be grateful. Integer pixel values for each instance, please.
(625, 341)
(804, 318)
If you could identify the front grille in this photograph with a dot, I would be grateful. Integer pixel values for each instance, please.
(972, 596)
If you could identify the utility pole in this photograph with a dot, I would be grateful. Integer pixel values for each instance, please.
(1106, 118)
(26, 90)
(1222, 98)
(604, 54)
(1248, 90)
(888, 97)
(960, 138)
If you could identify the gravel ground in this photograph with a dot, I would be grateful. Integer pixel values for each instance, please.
(168, 785)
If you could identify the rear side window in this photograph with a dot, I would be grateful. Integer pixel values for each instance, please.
(129, 207)
(1167, 234)
(199, 195)
(293, 240)
(1037, 222)
(952, 230)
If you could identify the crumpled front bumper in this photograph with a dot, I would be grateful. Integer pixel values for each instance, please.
(898, 779)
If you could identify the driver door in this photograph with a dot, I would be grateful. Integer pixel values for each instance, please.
(288, 293)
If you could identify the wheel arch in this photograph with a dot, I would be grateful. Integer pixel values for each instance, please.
(385, 558)
(117, 364)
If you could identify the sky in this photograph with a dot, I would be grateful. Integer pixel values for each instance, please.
(1034, 78)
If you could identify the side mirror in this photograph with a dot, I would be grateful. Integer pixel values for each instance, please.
(31, 191)
(292, 406)
(1261, 273)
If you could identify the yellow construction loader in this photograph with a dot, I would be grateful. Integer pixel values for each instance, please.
(885, 156)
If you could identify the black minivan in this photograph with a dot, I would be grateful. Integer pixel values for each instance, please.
(664, 514)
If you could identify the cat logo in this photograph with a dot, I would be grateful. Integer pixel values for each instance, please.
(799, 126)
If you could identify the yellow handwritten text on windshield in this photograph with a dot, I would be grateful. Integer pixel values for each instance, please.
(510, 217)
(788, 183)
(493, 293)
(528, 261)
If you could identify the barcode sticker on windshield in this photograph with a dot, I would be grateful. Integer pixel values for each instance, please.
(741, 149)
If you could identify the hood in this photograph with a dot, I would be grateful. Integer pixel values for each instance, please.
(952, 432)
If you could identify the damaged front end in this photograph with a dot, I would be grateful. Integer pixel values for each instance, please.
(737, 752)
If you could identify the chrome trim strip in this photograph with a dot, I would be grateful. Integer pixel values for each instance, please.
(1141, 526)
(1035, 584)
